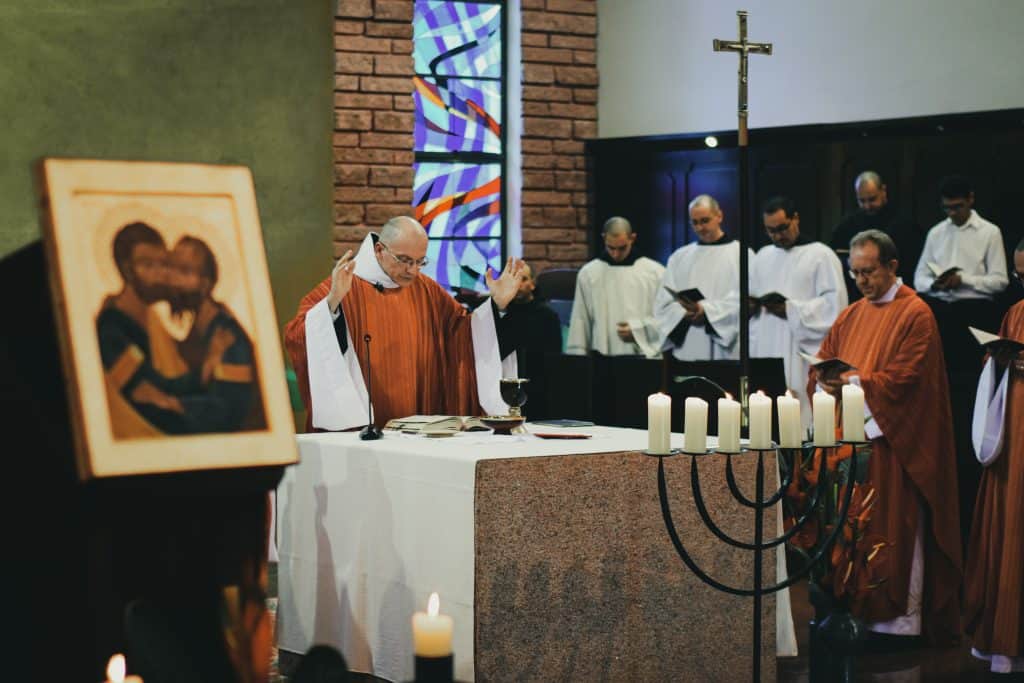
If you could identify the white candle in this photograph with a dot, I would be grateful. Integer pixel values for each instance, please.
(696, 425)
(659, 423)
(824, 419)
(760, 420)
(853, 413)
(116, 669)
(789, 421)
(728, 425)
(431, 631)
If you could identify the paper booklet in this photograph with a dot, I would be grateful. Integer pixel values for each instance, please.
(993, 343)
(939, 273)
(827, 366)
(693, 295)
(436, 424)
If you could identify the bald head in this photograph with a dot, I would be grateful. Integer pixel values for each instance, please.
(617, 225)
(872, 195)
(402, 249)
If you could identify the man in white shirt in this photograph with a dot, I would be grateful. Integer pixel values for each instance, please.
(797, 290)
(611, 312)
(706, 328)
(962, 268)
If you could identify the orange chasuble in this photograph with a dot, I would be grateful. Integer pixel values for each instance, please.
(994, 581)
(896, 349)
(421, 348)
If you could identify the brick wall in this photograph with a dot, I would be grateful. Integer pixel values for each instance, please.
(374, 121)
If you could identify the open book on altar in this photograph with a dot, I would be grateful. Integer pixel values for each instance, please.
(827, 366)
(993, 343)
(436, 424)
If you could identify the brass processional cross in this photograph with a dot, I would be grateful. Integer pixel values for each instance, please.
(744, 48)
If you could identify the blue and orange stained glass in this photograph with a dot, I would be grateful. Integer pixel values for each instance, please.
(462, 263)
(457, 115)
(458, 200)
(457, 39)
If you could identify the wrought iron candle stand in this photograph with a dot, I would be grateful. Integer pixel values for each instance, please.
(759, 504)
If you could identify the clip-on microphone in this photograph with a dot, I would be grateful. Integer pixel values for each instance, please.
(369, 432)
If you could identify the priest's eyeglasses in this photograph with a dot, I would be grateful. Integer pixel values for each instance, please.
(778, 229)
(405, 260)
(701, 221)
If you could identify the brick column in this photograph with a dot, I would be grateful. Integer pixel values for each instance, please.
(373, 117)
(559, 43)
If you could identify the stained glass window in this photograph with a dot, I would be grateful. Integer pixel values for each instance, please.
(459, 97)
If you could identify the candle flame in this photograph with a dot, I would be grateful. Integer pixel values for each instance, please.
(728, 396)
(434, 605)
(760, 392)
(789, 393)
(116, 669)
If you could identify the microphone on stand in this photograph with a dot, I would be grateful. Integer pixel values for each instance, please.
(369, 432)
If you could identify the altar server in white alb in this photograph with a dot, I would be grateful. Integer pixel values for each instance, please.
(797, 290)
(611, 312)
(706, 328)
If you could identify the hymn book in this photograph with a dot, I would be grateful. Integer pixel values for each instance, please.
(939, 273)
(995, 344)
(830, 367)
(769, 299)
(436, 424)
(693, 295)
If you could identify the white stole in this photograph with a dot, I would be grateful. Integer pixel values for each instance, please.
(989, 414)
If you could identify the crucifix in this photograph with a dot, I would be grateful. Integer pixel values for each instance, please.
(743, 48)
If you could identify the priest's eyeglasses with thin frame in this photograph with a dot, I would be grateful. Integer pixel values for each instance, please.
(405, 260)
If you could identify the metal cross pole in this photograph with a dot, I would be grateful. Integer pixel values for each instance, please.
(743, 48)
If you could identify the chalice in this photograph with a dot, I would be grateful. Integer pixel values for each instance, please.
(513, 392)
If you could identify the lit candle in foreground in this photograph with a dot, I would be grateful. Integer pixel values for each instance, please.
(728, 425)
(853, 413)
(789, 421)
(116, 669)
(696, 425)
(659, 423)
(760, 420)
(432, 631)
(824, 405)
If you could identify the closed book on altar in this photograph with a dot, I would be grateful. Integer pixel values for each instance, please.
(827, 366)
(694, 295)
(436, 424)
(994, 344)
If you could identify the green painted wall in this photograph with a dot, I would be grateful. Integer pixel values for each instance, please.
(217, 81)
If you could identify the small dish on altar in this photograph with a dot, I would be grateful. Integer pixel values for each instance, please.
(502, 424)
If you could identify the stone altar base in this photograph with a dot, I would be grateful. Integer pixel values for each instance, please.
(577, 580)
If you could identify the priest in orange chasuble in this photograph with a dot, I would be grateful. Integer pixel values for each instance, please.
(428, 355)
(891, 339)
(994, 579)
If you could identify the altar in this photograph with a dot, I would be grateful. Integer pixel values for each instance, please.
(550, 555)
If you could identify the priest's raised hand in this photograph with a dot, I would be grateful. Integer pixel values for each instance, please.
(341, 280)
(504, 288)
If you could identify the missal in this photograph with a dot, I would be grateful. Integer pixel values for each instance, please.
(692, 295)
(434, 425)
(769, 299)
(828, 366)
(939, 273)
(995, 344)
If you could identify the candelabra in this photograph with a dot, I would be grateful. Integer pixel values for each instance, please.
(759, 505)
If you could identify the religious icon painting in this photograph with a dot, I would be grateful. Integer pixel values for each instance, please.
(167, 329)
